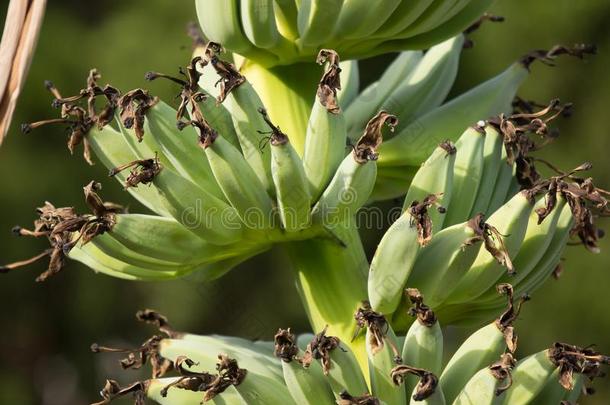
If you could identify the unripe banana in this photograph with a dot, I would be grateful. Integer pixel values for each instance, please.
(395, 256)
(443, 262)
(181, 148)
(429, 83)
(552, 392)
(383, 355)
(432, 17)
(488, 384)
(292, 189)
(316, 20)
(199, 211)
(258, 21)
(492, 159)
(350, 85)
(305, 382)
(415, 142)
(286, 15)
(338, 363)
(219, 118)
(220, 22)
(423, 346)
(325, 138)
(503, 181)
(403, 16)
(435, 176)
(112, 150)
(529, 378)
(240, 184)
(495, 259)
(353, 182)
(467, 174)
(357, 19)
(481, 349)
(373, 98)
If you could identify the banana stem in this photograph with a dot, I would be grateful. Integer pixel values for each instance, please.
(331, 280)
(287, 93)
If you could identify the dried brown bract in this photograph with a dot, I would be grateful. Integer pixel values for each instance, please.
(421, 219)
(320, 348)
(133, 107)
(285, 346)
(330, 81)
(486, 17)
(277, 137)
(449, 147)
(378, 328)
(367, 399)
(424, 314)
(366, 147)
(138, 357)
(427, 380)
(548, 56)
(230, 78)
(505, 321)
(112, 390)
(161, 322)
(143, 171)
(573, 359)
(493, 241)
(501, 370)
(64, 228)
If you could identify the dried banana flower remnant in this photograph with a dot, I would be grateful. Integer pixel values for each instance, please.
(143, 171)
(64, 228)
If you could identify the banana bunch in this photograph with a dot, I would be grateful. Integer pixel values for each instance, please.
(320, 369)
(477, 214)
(282, 32)
(414, 88)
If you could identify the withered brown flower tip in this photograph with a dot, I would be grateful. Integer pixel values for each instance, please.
(424, 314)
(330, 81)
(277, 136)
(133, 107)
(427, 380)
(378, 328)
(366, 147)
(112, 390)
(421, 219)
(230, 78)
(493, 241)
(347, 399)
(64, 228)
(573, 359)
(285, 346)
(320, 348)
(505, 321)
(501, 370)
(144, 171)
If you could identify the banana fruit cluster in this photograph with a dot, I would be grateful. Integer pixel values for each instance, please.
(320, 369)
(281, 32)
(478, 214)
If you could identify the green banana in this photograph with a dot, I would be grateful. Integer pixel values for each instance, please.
(430, 19)
(316, 19)
(338, 363)
(442, 263)
(383, 355)
(197, 210)
(392, 263)
(552, 391)
(429, 83)
(435, 176)
(258, 21)
(423, 346)
(325, 139)
(492, 152)
(529, 378)
(495, 258)
(502, 184)
(356, 19)
(240, 184)
(467, 174)
(181, 148)
(404, 15)
(286, 15)
(112, 150)
(305, 382)
(353, 182)
(487, 385)
(292, 189)
(350, 86)
(372, 98)
(415, 142)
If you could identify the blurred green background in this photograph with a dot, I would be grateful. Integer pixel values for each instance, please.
(47, 328)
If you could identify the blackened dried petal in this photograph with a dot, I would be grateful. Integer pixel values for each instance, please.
(330, 81)
(505, 321)
(378, 328)
(501, 370)
(320, 348)
(427, 380)
(285, 346)
(421, 218)
(144, 171)
(366, 147)
(423, 312)
(346, 398)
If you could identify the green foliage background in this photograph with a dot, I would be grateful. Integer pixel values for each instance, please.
(47, 328)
